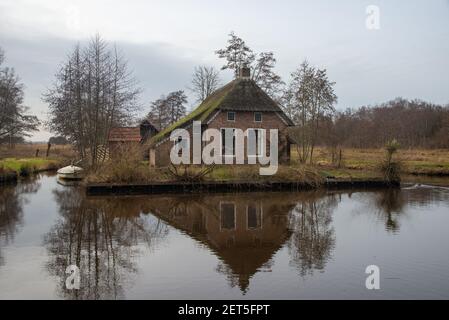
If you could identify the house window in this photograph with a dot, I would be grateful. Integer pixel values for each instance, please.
(231, 116)
(228, 134)
(253, 216)
(256, 142)
(257, 117)
(227, 216)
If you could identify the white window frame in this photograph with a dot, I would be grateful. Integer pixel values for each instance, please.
(227, 116)
(261, 117)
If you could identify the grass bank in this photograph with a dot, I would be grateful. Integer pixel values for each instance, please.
(364, 162)
(25, 167)
(356, 165)
(142, 173)
(21, 161)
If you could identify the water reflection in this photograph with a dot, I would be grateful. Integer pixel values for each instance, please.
(313, 236)
(390, 205)
(243, 231)
(12, 200)
(106, 236)
(101, 237)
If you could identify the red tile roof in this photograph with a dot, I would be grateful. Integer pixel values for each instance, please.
(125, 134)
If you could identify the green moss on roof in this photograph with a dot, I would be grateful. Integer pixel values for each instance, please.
(239, 94)
(200, 113)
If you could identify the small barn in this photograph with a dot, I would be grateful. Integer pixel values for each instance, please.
(139, 135)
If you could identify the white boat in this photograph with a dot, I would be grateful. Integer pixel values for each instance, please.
(71, 172)
(68, 182)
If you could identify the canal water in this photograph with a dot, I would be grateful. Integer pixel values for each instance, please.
(303, 245)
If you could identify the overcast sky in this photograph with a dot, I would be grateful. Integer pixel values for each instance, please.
(163, 40)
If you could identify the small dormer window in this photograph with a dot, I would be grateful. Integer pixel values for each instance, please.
(257, 117)
(231, 116)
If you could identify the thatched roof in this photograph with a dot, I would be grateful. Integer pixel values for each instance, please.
(239, 95)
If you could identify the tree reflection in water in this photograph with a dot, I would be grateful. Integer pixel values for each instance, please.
(389, 205)
(12, 199)
(313, 237)
(101, 237)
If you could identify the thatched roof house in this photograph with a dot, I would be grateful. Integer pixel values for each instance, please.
(239, 104)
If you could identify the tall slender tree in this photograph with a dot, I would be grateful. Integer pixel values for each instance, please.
(93, 91)
(15, 121)
(263, 74)
(309, 98)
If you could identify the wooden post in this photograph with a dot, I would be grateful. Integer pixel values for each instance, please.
(48, 149)
(37, 153)
(340, 156)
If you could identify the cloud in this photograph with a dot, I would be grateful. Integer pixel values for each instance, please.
(157, 68)
(164, 40)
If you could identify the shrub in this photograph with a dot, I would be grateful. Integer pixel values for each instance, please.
(25, 170)
(125, 166)
(390, 168)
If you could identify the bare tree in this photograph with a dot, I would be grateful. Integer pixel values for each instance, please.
(93, 91)
(310, 98)
(15, 122)
(176, 102)
(413, 123)
(168, 109)
(265, 77)
(158, 114)
(205, 81)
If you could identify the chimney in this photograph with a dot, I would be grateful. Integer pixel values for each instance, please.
(244, 72)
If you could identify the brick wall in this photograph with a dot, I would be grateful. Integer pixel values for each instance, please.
(243, 120)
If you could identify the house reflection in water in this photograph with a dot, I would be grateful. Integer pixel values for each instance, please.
(104, 235)
(244, 231)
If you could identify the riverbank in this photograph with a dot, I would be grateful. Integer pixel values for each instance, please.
(230, 186)
(359, 167)
(25, 159)
(11, 169)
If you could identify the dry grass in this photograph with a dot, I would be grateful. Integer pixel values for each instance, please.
(131, 170)
(126, 166)
(305, 174)
(414, 161)
(22, 158)
(357, 164)
(28, 150)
